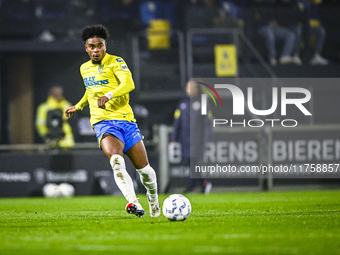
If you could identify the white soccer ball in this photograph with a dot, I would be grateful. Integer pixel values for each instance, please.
(176, 207)
(66, 189)
(51, 190)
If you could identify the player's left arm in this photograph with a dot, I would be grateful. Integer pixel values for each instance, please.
(126, 84)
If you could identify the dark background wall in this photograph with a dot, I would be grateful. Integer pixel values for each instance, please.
(22, 24)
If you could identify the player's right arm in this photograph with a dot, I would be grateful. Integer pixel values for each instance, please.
(79, 106)
(70, 111)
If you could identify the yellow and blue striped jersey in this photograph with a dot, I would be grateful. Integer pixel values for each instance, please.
(111, 75)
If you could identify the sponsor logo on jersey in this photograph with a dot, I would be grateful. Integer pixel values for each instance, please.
(100, 68)
(124, 67)
(90, 81)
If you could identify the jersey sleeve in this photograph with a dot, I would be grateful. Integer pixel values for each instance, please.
(125, 78)
(82, 103)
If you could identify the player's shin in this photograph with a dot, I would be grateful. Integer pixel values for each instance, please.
(149, 180)
(122, 178)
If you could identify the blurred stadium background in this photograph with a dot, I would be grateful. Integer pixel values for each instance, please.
(165, 43)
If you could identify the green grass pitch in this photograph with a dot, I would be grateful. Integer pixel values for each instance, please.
(294, 222)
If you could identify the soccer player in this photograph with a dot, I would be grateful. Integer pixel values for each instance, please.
(108, 81)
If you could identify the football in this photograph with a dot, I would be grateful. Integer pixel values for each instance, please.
(51, 190)
(176, 207)
(66, 189)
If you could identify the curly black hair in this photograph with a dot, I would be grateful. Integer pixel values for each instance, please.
(95, 30)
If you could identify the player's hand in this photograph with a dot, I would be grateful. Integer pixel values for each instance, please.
(70, 111)
(101, 101)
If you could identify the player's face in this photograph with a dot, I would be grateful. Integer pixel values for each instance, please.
(96, 48)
